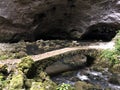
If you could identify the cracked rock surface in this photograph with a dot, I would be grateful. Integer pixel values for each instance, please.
(67, 19)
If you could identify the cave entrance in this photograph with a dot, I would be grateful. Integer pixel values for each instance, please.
(51, 34)
(101, 31)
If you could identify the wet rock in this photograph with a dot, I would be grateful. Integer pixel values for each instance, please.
(86, 86)
(66, 64)
(114, 80)
(33, 20)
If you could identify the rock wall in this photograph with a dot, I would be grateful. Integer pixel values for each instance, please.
(66, 19)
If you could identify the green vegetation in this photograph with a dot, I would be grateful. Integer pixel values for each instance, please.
(25, 64)
(9, 55)
(65, 87)
(3, 57)
(113, 55)
(110, 55)
(17, 81)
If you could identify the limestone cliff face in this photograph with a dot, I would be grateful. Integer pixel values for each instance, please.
(63, 19)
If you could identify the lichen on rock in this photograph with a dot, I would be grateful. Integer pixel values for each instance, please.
(25, 64)
(17, 81)
(47, 85)
(37, 86)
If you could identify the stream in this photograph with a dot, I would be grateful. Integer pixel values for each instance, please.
(87, 75)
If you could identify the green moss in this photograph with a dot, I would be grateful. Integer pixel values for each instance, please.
(3, 57)
(37, 86)
(25, 64)
(43, 75)
(46, 85)
(17, 81)
(28, 83)
(64, 86)
(49, 85)
(1, 77)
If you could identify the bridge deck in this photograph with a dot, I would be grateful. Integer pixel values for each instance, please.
(54, 53)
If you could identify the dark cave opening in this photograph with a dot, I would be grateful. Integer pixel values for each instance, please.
(101, 31)
(51, 34)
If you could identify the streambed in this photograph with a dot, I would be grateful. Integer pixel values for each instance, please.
(103, 78)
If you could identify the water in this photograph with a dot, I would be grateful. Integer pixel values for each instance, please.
(87, 75)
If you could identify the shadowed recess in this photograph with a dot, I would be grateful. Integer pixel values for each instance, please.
(101, 31)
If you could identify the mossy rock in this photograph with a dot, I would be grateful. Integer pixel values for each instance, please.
(17, 81)
(18, 55)
(85, 86)
(104, 63)
(116, 68)
(37, 86)
(47, 85)
(114, 80)
(97, 68)
(2, 81)
(25, 64)
(43, 75)
(64, 86)
(50, 85)
(43, 82)
(28, 83)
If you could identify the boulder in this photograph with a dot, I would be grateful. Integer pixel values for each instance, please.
(66, 64)
(69, 19)
(114, 80)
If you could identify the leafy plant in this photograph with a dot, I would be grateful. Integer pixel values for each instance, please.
(117, 45)
(112, 55)
(65, 87)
